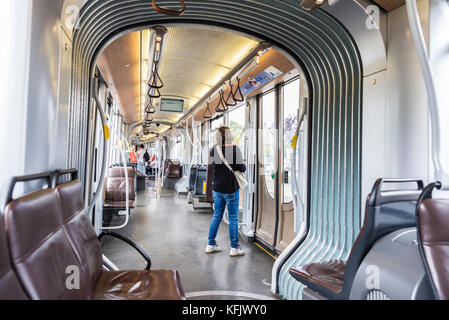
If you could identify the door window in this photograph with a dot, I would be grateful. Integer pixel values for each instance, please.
(269, 141)
(290, 118)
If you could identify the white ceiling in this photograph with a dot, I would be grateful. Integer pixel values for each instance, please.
(195, 58)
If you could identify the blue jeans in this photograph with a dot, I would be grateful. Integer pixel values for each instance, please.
(220, 202)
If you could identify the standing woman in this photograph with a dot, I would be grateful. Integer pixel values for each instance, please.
(225, 190)
(140, 159)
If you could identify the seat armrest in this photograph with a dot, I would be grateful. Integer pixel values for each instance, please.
(130, 242)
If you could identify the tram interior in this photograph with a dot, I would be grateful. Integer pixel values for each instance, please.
(338, 107)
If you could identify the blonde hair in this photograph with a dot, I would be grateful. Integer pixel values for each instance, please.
(224, 136)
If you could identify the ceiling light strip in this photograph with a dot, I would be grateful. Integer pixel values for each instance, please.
(242, 65)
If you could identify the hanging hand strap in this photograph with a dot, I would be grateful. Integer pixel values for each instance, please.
(221, 102)
(207, 111)
(167, 11)
(238, 91)
(231, 95)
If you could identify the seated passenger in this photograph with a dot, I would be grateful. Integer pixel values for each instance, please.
(225, 190)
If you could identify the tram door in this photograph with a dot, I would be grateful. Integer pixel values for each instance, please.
(278, 117)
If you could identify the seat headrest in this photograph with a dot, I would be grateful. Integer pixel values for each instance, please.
(71, 198)
(119, 172)
(31, 219)
(434, 220)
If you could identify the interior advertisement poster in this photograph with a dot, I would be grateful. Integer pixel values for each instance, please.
(261, 79)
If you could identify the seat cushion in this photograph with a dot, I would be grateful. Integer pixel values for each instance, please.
(139, 285)
(328, 274)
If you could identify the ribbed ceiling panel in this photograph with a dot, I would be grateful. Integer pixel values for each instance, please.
(196, 57)
(333, 66)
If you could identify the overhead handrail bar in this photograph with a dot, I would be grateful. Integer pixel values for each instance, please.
(155, 82)
(168, 11)
(435, 127)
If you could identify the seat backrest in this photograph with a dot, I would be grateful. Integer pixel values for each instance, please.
(433, 231)
(41, 253)
(386, 211)
(174, 169)
(192, 178)
(10, 287)
(79, 229)
(115, 186)
(201, 176)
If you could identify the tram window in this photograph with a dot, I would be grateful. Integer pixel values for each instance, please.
(199, 151)
(176, 152)
(290, 118)
(269, 141)
(237, 124)
(214, 125)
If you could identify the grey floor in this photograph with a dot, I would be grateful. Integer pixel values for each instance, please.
(175, 236)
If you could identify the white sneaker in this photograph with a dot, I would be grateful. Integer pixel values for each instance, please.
(212, 249)
(237, 252)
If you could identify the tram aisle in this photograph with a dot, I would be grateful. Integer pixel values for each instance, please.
(175, 237)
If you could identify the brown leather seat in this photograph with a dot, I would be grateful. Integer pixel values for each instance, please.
(40, 250)
(329, 274)
(139, 285)
(115, 187)
(10, 287)
(173, 169)
(433, 230)
(110, 285)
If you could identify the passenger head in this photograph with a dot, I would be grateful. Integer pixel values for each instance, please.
(224, 136)
(142, 147)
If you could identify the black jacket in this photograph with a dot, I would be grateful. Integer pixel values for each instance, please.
(223, 179)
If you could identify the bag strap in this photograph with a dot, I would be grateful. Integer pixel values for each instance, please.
(220, 154)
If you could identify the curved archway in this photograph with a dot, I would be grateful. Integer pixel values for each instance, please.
(326, 52)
